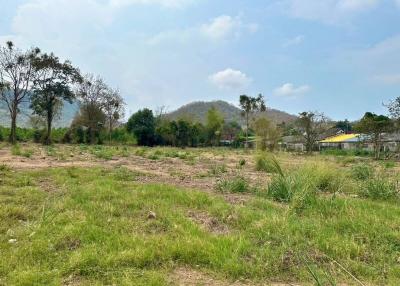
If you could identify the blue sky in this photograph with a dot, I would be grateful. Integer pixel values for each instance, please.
(340, 57)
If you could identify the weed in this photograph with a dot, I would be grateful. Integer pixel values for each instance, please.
(236, 185)
(362, 172)
(379, 189)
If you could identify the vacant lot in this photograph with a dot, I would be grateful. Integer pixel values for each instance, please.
(97, 215)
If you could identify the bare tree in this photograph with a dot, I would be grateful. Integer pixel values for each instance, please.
(113, 107)
(16, 79)
(312, 125)
(91, 93)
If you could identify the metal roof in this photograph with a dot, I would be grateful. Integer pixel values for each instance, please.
(342, 138)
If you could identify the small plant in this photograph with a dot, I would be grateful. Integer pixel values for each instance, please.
(236, 185)
(153, 156)
(217, 170)
(268, 163)
(242, 163)
(362, 172)
(17, 151)
(280, 189)
(379, 189)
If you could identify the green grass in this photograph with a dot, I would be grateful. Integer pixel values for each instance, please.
(16, 150)
(95, 230)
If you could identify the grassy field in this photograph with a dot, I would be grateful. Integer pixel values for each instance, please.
(97, 215)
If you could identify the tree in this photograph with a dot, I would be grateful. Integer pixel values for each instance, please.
(16, 79)
(91, 93)
(311, 125)
(344, 125)
(231, 130)
(113, 108)
(394, 111)
(249, 106)
(268, 134)
(374, 125)
(52, 87)
(215, 121)
(142, 125)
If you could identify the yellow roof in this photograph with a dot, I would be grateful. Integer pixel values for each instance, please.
(340, 138)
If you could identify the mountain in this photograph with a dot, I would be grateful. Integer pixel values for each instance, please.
(197, 111)
(23, 120)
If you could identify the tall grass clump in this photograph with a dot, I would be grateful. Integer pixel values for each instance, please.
(299, 187)
(380, 189)
(362, 171)
(237, 184)
(267, 163)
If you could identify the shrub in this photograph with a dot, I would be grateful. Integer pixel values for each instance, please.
(362, 172)
(379, 189)
(236, 185)
(267, 163)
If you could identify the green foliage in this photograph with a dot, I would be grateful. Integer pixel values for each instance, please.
(237, 184)
(362, 171)
(142, 124)
(380, 189)
(267, 162)
(215, 122)
(16, 150)
(349, 153)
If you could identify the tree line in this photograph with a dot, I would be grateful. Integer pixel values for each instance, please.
(47, 83)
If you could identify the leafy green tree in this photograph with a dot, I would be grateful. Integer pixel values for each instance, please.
(215, 121)
(267, 134)
(344, 125)
(311, 125)
(142, 125)
(249, 106)
(16, 79)
(375, 125)
(52, 87)
(231, 130)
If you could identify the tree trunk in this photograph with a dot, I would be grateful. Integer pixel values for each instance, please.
(47, 140)
(246, 144)
(13, 133)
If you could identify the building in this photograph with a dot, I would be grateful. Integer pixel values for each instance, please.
(346, 142)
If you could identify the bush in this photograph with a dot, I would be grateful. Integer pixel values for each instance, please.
(362, 172)
(379, 189)
(236, 185)
(267, 163)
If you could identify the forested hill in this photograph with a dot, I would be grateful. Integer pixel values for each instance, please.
(65, 120)
(197, 111)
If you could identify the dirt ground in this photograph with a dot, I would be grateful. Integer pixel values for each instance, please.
(196, 174)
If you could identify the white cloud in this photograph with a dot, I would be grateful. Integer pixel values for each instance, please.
(388, 78)
(294, 41)
(288, 89)
(221, 28)
(329, 11)
(230, 79)
(165, 3)
(225, 26)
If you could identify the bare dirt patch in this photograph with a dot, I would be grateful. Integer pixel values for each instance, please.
(191, 277)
